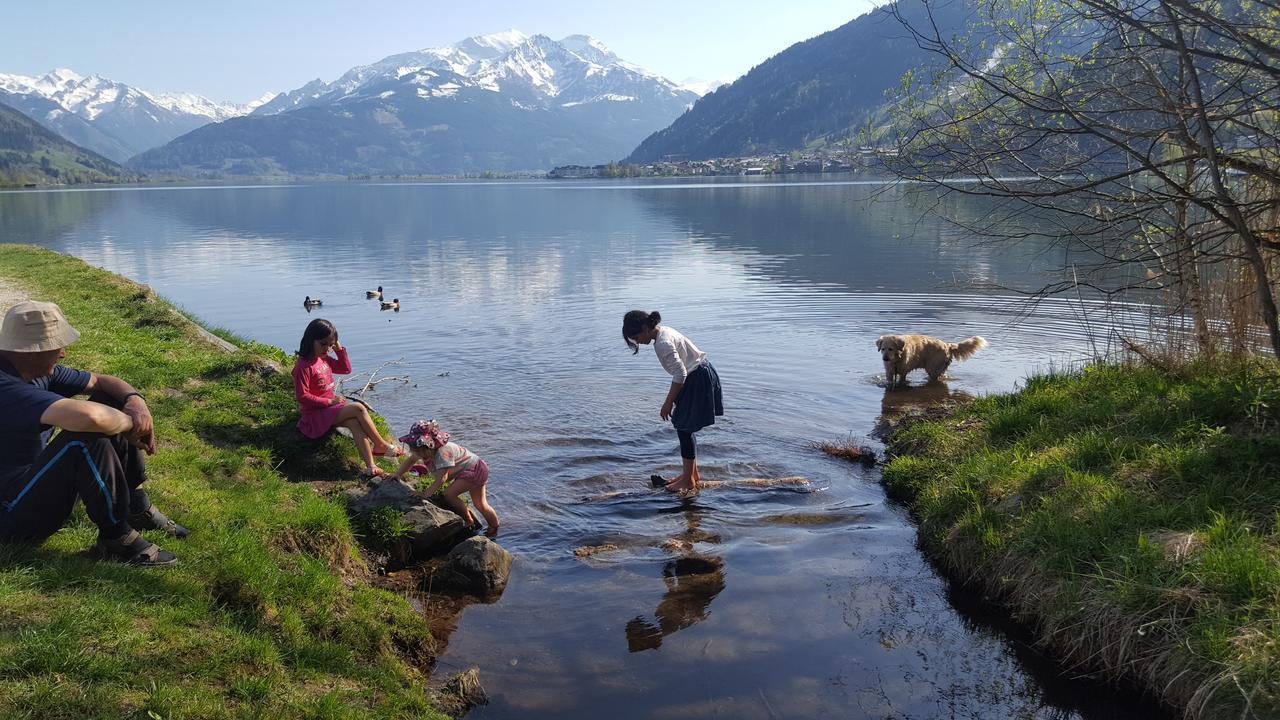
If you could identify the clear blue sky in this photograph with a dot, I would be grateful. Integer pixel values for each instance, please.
(237, 49)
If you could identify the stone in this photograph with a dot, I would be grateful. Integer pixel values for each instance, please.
(476, 565)
(397, 494)
(431, 528)
(460, 693)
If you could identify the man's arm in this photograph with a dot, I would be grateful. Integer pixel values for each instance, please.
(134, 406)
(86, 416)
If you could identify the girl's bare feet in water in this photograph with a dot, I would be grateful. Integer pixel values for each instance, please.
(680, 484)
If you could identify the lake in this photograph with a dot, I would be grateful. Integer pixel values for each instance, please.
(756, 599)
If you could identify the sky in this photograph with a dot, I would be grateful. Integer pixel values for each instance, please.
(236, 50)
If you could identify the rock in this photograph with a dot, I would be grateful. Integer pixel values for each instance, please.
(264, 367)
(431, 528)
(393, 493)
(477, 565)
(589, 550)
(460, 693)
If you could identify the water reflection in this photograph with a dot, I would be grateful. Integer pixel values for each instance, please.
(900, 400)
(693, 580)
(855, 236)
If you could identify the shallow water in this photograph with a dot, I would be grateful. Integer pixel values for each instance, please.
(804, 598)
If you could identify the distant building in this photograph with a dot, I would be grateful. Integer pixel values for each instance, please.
(575, 172)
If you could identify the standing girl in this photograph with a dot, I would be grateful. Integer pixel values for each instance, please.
(694, 392)
(321, 409)
(452, 463)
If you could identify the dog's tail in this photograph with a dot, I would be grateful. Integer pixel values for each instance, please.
(965, 349)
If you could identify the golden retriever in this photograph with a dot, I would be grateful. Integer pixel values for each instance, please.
(904, 353)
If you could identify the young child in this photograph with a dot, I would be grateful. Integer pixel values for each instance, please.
(321, 409)
(452, 463)
(694, 391)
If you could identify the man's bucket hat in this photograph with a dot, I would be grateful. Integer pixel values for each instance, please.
(35, 326)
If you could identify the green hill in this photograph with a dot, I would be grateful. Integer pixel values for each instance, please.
(814, 92)
(33, 155)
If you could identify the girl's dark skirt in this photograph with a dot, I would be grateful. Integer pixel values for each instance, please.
(699, 402)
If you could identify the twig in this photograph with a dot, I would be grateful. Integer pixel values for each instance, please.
(373, 379)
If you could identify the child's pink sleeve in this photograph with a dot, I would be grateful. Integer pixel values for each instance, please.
(301, 382)
(342, 365)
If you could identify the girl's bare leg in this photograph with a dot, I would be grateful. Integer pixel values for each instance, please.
(363, 445)
(357, 412)
(481, 501)
(451, 499)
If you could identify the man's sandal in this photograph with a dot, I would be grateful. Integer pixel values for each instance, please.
(132, 549)
(153, 519)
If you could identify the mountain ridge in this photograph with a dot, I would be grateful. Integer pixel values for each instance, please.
(502, 102)
(111, 118)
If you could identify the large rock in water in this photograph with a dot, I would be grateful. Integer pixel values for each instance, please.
(431, 528)
(477, 565)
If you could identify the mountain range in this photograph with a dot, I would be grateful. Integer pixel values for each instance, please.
(820, 91)
(501, 102)
(111, 118)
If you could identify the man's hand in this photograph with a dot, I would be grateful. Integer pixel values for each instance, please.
(665, 412)
(142, 434)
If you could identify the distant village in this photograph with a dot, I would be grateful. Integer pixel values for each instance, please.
(863, 158)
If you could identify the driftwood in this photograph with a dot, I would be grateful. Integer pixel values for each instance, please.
(371, 382)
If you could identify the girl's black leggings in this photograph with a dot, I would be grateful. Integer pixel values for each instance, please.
(688, 448)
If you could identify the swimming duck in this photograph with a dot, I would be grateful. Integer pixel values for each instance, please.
(392, 305)
(371, 294)
(311, 302)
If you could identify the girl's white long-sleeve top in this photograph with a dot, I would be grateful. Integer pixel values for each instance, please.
(677, 353)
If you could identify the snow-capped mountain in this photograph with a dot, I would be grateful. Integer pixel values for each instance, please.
(702, 87)
(502, 102)
(532, 69)
(112, 118)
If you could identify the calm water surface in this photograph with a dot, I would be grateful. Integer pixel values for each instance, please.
(801, 599)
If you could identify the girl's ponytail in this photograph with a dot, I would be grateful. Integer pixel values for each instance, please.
(636, 322)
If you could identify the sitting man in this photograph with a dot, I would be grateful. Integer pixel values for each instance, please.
(97, 455)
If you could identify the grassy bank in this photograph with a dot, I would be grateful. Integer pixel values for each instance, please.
(1128, 513)
(268, 614)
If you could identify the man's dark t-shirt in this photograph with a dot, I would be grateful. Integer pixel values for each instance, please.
(22, 436)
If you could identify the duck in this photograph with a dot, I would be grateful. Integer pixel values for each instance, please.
(371, 294)
(391, 305)
(311, 302)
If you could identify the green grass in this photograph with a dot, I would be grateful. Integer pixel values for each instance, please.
(268, 613)
(1130, 513)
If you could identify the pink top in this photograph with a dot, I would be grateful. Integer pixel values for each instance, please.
(313, 386)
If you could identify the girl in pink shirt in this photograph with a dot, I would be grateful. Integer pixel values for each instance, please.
(431, 451)
(321, 409)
